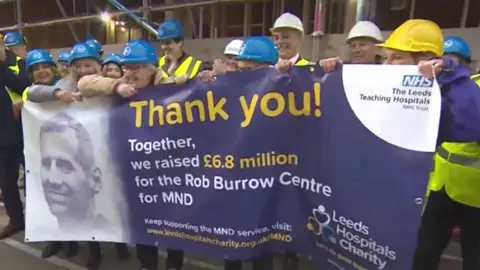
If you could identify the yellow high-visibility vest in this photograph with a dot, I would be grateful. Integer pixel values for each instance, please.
(25, 94)
(303, 62)
(189, 67)
(16, 69)
(457, 169)
(476, 78)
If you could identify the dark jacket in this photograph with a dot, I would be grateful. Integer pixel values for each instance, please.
(460, 116)
(10, 131)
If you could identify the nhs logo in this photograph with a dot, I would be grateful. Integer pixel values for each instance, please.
(416, 81)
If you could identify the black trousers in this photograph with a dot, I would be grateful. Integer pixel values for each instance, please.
(9, 169)
(148, 257)
(260, 263)
(441, 214)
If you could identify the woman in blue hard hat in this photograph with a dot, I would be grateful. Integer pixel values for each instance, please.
(83, 61)
(176, 62)
(255, 53)
(112, 66)
(42, 71)
(139, 61)
(62, 63)
(16, 43)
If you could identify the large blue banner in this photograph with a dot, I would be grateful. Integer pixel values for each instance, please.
(332, 166)
(260, 162)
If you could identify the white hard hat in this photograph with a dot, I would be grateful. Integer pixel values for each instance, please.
(233, 47)
(365, 29)
(288, 20)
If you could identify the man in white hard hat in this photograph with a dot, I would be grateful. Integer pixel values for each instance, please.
(361, 41)
(287, 33)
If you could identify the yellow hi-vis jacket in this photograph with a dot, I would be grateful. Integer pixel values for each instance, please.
(16, 69)
(476, 78)
(189, 67)
(301, 62)
(25, 94)
(457, 170)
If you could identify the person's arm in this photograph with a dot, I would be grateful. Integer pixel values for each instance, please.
(96, 85)
(42, 93)
(160, 79)
(15, 83)
(460, 115)
(22, 72)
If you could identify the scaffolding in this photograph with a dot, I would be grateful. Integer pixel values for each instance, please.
(145, 10)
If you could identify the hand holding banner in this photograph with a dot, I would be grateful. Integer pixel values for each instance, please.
(252, 163)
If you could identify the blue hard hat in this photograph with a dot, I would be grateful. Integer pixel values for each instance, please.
(112, 58)
(13, 39)
(95, 45)
(63, 57)
(38, 56)
(139, 52)
(82, 51)
(170, 29)
(457, 45)
(259, 49)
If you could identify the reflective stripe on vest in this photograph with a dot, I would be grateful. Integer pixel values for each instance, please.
(190, 67)
(16, 69)
(476, 78)
(457, 169)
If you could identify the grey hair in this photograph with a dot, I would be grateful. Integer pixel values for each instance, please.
(62, 122)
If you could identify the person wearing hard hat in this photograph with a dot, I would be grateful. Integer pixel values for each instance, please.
(446, 174)
(420, 42)
(11, 144)
(40, 66)
(16, 52)
(83, 60)
(230, 63)
(62, 63)
(176, 62)
(255, 53)
(287, 33)
(139, 61)
(222, 66)
(112, 66)
(458, 50)
(16, 43)
(361, 41)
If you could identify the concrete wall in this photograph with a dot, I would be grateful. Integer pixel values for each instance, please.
(331, 45)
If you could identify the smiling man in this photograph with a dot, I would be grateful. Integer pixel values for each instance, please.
(287, 33)
(68, 173)
(175, 61)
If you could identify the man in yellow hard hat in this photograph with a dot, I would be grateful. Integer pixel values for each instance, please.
(454, 200)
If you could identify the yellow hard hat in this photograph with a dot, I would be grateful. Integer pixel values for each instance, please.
(416, 36)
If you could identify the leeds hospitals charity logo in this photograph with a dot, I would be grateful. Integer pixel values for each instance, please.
(319, 223)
